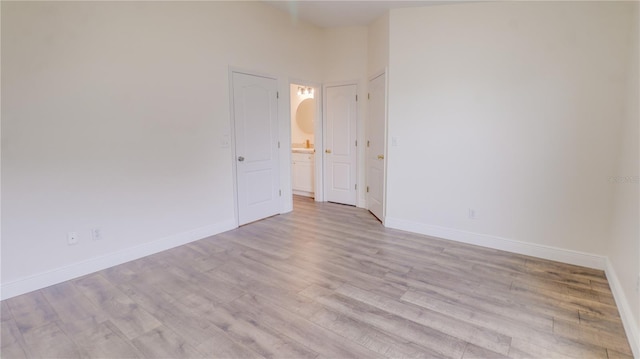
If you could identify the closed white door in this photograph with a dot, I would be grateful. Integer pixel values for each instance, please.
(340, 144)
(376, 146)
(255, 115)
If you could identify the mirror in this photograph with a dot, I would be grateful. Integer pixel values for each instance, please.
(305, 114)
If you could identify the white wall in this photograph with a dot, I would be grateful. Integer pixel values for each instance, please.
(511, 109)
(624, 246)
(113, 116)
(378, 45)
(527, 113)
(345, 59)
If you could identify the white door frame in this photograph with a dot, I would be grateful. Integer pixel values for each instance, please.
(232, 133)
(318, 139)
(324, 131)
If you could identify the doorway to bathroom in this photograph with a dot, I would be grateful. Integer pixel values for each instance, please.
(306, 139)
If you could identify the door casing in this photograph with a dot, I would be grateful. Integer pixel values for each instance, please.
(376, 147)
(233, 139)
(353, 196)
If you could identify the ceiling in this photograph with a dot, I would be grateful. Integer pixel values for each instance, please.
(343, 13)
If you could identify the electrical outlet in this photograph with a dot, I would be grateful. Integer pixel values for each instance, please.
(96, 234)
(72, 238)
(472, 213)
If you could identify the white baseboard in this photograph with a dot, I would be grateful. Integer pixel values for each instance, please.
(628, 321)
(62, 274)
(540, 251)
(303, 193)
(45, 279)
(505, 244)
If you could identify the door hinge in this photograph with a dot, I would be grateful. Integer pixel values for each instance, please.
(367, 143)
(356, 98)
(277, 94)
(356, 143)
(367, 189)
(280, 192)
(368, 96)
(278, 144)
(356, 187)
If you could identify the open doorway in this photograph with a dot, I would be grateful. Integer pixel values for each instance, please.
(304, 141)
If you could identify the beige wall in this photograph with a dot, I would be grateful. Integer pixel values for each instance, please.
(624, 246)
(524, 112)
(114, 116)
(378, 45)
(513, 110)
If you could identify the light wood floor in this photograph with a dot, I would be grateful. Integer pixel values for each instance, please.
(326, 281)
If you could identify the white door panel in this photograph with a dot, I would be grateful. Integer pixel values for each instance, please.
(341, 177)
(340, 144)
(376, 146)
(255, 107)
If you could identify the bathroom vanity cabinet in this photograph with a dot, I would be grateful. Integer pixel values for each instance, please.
(303, 172)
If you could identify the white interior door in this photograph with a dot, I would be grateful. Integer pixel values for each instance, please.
(255, 114)
(376, 146)
(340, 144)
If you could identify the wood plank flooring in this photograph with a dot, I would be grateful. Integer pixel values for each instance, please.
(326, 281)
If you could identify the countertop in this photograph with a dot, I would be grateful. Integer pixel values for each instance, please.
(302, 150)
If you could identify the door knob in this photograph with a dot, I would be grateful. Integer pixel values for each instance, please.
(240, 158)
(327, 151)
(381, 157)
